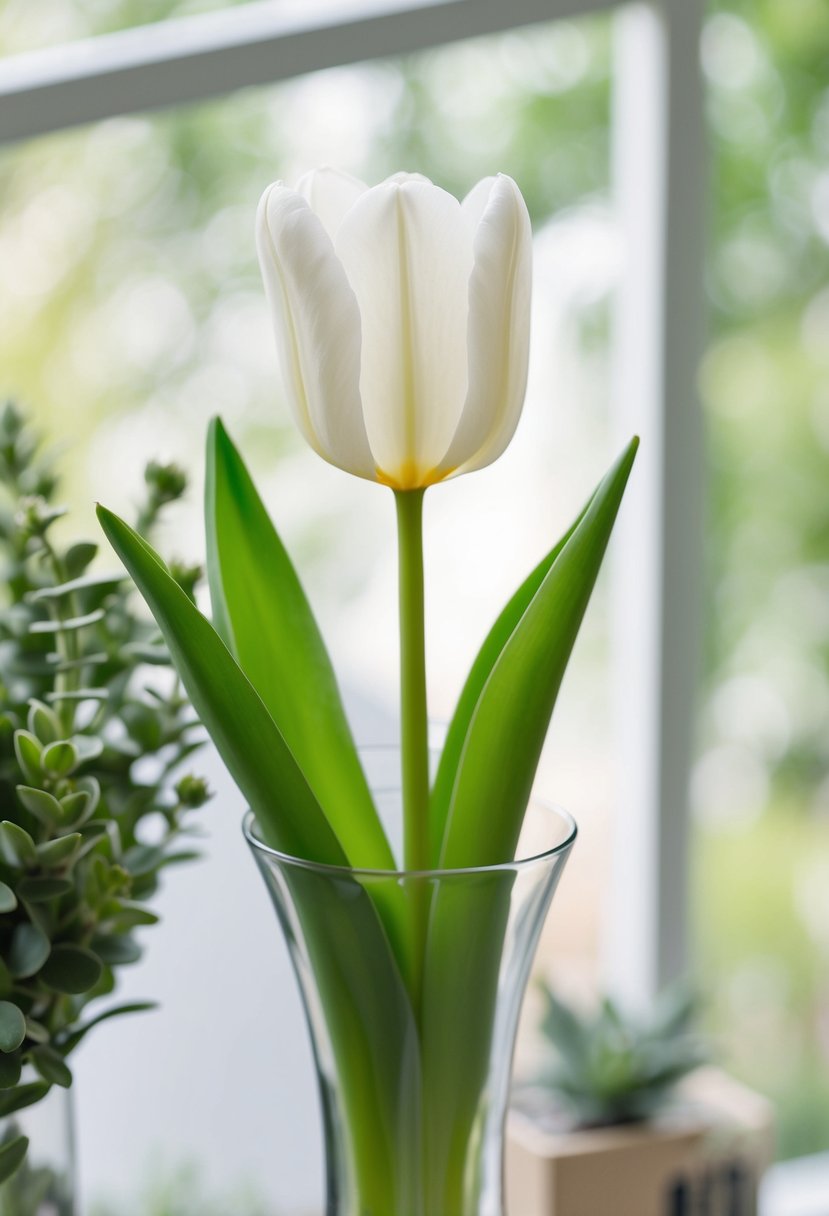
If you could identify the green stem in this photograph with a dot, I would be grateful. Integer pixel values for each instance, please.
(67, 646)
(413, 717)
(413, 724)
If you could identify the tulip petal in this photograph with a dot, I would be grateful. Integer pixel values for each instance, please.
(407, 251)
(330, 193)
(403, 176)
(499, 324)
(317, 324)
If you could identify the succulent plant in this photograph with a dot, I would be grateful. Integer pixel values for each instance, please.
(92, 800)
(606, 1067)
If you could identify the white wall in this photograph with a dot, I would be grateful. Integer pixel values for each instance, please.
(221, 1075)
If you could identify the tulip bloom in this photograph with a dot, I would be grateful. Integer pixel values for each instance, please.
(402, 320)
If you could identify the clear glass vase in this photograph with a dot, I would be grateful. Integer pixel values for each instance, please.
(44, 1185)
(413, 1048)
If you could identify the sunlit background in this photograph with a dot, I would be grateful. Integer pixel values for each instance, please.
(131, 311)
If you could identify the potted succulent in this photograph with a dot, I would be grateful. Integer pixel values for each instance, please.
(623, 1117)
(77, 871)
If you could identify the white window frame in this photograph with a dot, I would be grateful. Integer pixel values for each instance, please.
(657, 175)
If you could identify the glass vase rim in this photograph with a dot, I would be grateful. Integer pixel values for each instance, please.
(518, 865)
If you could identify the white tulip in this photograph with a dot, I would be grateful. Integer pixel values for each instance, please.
(402, 320)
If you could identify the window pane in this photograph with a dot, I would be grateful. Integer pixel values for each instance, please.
(761, 788)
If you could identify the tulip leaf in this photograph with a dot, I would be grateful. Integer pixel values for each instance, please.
(250, 743)
(480, 672)
(264, 617)
(509, 723)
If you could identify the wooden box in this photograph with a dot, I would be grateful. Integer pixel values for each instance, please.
(704, 1157)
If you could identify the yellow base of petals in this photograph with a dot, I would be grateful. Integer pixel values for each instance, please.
(409, 477)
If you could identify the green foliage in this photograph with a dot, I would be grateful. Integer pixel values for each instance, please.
(246, 735)
(27, 1186)
(181, 1192)
(12, 1154)
(770, 973)
(272, 709)
(479, 673)
(763, 723)
(253, 719)
(508, 724)
(263, 615)
(607, 1068)
(76, 715)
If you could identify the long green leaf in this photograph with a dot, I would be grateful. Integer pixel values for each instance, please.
(369, 1021)
(509, 723)
(262, 612)
(487, 656)
(246, 736)
(363, 994)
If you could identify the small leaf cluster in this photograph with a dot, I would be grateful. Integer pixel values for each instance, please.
(607, 1067)
(94, 729)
